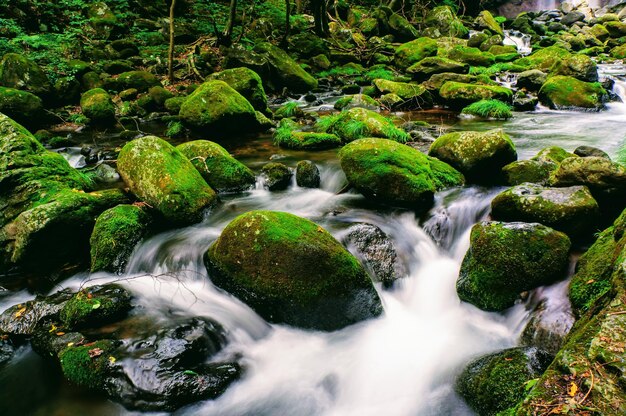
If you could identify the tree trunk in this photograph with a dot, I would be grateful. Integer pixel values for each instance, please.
(228, 32)
(320, 17)
(170, 52)
(287, 24)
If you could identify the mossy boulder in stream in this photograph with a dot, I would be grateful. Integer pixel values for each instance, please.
(216, 107)
(17, 71)
(395, 174)
(97, 105)
(459, 95)
(246, 82)
(505, 259)
(572, 210)
(578, 66)
(219, 169)
(427, 67)
(21, 106)
(414, 94)
(87, 365)
(290, 270)
(95, 305)
(140, 80)
(357, 123)
(442, 21)
(287, 136)
(412, 52)
(284, 71)
(498, 381)
(115, 235)
(479, 156)
(565, 92)
(163, 177)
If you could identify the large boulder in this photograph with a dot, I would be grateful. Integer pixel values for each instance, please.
(290, 270)
(17, 71)
(402, 29)
(216, 107)
(412, 52)
(485, 20)
(479, 156)
(498, 381)
(605, 179)
(97, 105)
(565, 92)
(579, 66)
(395, 174)
(246, 82)
(505, 259)
(572, 210)
(470, 56)
(415, 95)
(140, 80)
(459, 95)
(357, 123)
(219, 169)
(95, 306)
(115, 235)
(162, 176)
(21, 106)
(284, 71)
(442, 21)
(427, 67)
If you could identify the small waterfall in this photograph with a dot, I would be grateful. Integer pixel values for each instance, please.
(547, 5)
(520, 40)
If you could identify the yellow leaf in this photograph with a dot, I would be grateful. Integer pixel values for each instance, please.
(573, 389)
(53, 328)
(112, 359)
(20, 312)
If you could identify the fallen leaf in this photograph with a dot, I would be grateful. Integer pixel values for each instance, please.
(95, 352)
(590, 281)
(20, 312)
(112, 359)
(60, 333)
(572, 390)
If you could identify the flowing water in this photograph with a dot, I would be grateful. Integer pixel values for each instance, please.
(403, 363)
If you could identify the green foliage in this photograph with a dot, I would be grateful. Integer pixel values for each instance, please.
(380, 73)
(175, 129)
(489, 109)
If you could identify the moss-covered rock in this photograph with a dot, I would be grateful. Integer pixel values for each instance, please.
(619, 52)
(415, 95)
(544, 59)
(358, 123)
(505, 259)
(470, 56)
(21, 106)
(17, 71)
(357, 100)
(95, 305)
(141, 80)
(276, 176)
(291, 109)
(433, 65)
(285, 72)
(287, 136)
(459, 95)
(219, 169)
(564, 92)
(490, 109)
(401, 29)
(578, 66)
(479, 156)
(307, 174)
(97, 105)
(246, 82)
(218, 108)
(87, 365)
(572, 210)
(395, 174)
(531, 171)
(498, 381)
(443, 22)
(412, 52)
(605, 179)
(162, 176)
(290, 270)
(115, 235)
(485, 20)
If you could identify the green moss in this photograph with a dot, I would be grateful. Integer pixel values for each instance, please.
(286, 72)
(140, 80)
(246, 82)
(457, 94)
(219, 169)
(357, 100)
(489, 109)
(562, 92)
(291, 270)
(531, 171)
(469, 55)
(414, 92)
(218, 107)
(544, 58)
(286, 136)
(506, 259)
(97, 105)
(553, 155)
(395, 174)
(175, 129)
(428, 67)
(357, 123)
(83, 367)
(289, 110)
(17, 71)
(163, 177)
(497, 68)
(116, 233)
(172, 105)
(21, 106)
(412, 52)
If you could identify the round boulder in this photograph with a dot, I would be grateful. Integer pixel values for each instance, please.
(572, 210)
(479, 156)
(163, 177)
(505, 259)
(97, 105)
(395, 174)
(290, 270)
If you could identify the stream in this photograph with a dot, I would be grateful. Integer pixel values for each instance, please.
(403, 363)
